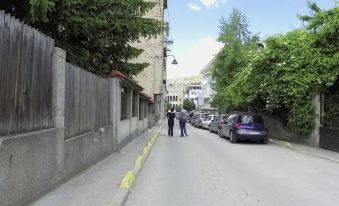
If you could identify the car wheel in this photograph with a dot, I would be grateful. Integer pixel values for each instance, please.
(263, 141)
(220, 133)
(233, 139)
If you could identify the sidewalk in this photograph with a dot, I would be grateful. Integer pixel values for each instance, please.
(98, 184)
(315, 151)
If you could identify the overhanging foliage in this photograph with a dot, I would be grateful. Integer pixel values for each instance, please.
(96, 34)
(287, 74)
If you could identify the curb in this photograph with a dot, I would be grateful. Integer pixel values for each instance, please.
(289, 145)
(127, 182)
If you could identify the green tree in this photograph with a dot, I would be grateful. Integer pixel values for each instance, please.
(96, 34)
(238, 43)
(189, 105)
(286, 75)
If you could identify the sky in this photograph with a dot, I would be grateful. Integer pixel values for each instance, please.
(194, 26)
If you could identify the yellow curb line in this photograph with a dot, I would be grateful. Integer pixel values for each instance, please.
(128, 180)
(140, 161)
(285, 143)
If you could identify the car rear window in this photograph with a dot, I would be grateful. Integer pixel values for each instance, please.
(204, 116)
(251, 119)
(225, 117)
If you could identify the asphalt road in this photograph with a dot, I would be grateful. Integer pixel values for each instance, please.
(203, 169)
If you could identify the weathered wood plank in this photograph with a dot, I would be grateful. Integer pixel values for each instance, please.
(22, 101)
(2, 72)
(28, 109)
(18, 80)
(9, 99)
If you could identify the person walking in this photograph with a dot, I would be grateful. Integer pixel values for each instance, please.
(170, 116)
(182, 121)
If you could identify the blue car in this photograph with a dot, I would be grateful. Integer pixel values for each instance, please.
(244, 126)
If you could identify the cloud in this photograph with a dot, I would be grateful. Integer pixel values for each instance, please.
(209, 3)
(194, 7)
(195, 59)
(212, 3)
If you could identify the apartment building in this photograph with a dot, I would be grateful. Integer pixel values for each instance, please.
(153, 78)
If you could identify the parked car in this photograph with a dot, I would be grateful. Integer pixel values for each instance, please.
(206, 123)
(198, 120)
(190, 115)
(216, 123)
(244, 127)
(192, 119)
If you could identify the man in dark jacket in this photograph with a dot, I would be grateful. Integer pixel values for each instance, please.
(170, 117)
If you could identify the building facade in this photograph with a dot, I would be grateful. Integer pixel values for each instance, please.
(207, 91)
(153, 78)
(193, 92)
(175, 92)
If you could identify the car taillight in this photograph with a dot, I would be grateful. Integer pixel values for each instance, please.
(237, 125)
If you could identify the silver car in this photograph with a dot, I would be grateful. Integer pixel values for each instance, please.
(199, 119)
(206, 123)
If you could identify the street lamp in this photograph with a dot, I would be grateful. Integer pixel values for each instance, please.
(175, 62)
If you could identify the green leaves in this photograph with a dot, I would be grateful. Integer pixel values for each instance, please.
(96, 34)
(287, 74)
(189, 105)
(40, 9)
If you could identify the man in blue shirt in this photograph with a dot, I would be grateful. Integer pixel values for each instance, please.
(183, 115)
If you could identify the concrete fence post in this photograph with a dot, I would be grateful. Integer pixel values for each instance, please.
(115, 110)
(59, 84)
(315, 136)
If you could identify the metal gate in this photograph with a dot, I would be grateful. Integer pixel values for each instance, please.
(329, 131)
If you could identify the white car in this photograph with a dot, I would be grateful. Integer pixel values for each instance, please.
(207, 121)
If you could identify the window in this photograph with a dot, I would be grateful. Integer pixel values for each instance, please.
(249, 119)
(124, 97)
(246, 119)
(134, 104)
(204, 116)
(141, 115)
(176, 98)
(232, 119)
(145, 109)
(149, 109)
(218, 118)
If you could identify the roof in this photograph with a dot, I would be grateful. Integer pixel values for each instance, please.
(126, 81)
(149, 98)
(207, 68)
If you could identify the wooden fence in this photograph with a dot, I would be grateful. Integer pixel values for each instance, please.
(25, 77)
(87, 102)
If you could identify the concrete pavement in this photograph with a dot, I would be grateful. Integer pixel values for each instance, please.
(101, 182)
(203, 169)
